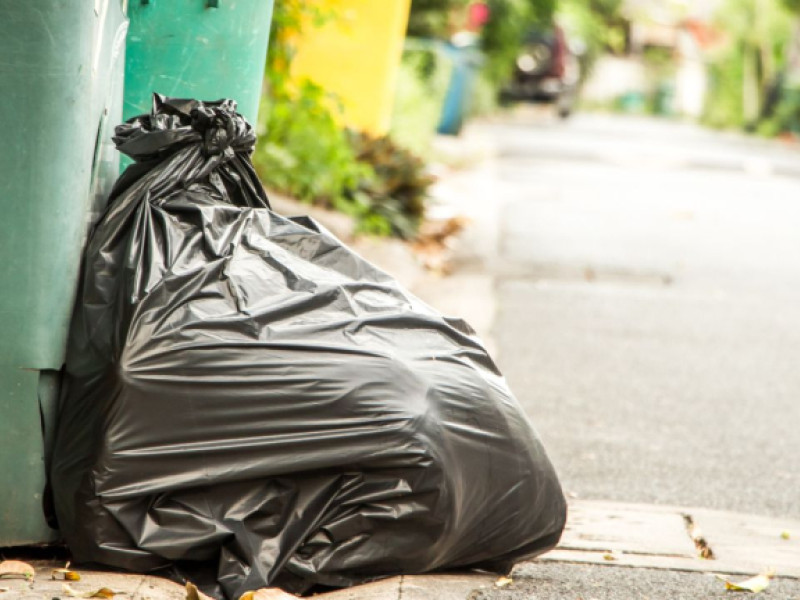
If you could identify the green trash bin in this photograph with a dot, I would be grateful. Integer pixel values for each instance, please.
(61, 78)
(203, 49)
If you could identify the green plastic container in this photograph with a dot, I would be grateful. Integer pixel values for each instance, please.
(632, 103)
(203, 49)
(61, 90)
(664, 100)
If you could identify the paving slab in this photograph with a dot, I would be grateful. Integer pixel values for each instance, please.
(631, 528)
(130, 586)
(439, 586)
(658, 537)
(445, 586)
(385, 589)
(749, 544)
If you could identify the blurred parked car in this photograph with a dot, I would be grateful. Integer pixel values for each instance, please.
(547, 70)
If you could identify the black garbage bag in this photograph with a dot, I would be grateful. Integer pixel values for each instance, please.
(244, 391)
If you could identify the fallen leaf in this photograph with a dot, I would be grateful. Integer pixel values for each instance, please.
(65, 573)
(611, 556)
(434, 242)
(755, 584)
(15, 569)
(267, 594)
(503, 582)
(191, 591)
(4, 590)
(101, 593)
(785, 535)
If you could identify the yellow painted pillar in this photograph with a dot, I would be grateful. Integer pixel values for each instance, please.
(357, 57)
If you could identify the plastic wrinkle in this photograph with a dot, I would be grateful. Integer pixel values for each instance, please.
(248, 403)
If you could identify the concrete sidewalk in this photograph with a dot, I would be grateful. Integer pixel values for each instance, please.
(616, 536)
(147, 587)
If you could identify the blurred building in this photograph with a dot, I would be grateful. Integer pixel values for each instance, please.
(664, 67)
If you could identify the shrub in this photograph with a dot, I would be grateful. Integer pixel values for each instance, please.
(303, 150)
(395, 197)
(419, 95)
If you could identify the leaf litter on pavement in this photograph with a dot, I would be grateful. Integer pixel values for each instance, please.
(192, 593)
(754, 585)
(65, 573)
(16, 569)
(102, 592)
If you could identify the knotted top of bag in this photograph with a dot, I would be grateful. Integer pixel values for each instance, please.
(175, 123)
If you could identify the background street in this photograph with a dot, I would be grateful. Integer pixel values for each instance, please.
(648, 318)
(648, 309)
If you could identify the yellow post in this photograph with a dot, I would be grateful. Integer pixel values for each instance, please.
(357, 57)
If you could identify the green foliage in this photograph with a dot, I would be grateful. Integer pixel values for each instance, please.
(503, 34)
(595, 22)
(484, 99)
(500, 38)
(289, 17)
(746, 70)
(792, 5)
(724, 106)
(303, 150)
(785, 117)
(421, 87)
(432, 18)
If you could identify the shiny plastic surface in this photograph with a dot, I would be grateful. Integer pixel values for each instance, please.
(245, 391)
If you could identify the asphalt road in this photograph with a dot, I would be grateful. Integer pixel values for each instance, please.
(535, 581)
(648, 291)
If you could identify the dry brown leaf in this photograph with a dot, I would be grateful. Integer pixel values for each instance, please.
(16, 569)
(503, 582)
(434, 242)
(103, 592)
(267, 594)
(191, 591)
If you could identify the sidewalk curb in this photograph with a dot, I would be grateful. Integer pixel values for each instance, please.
(669, 538)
